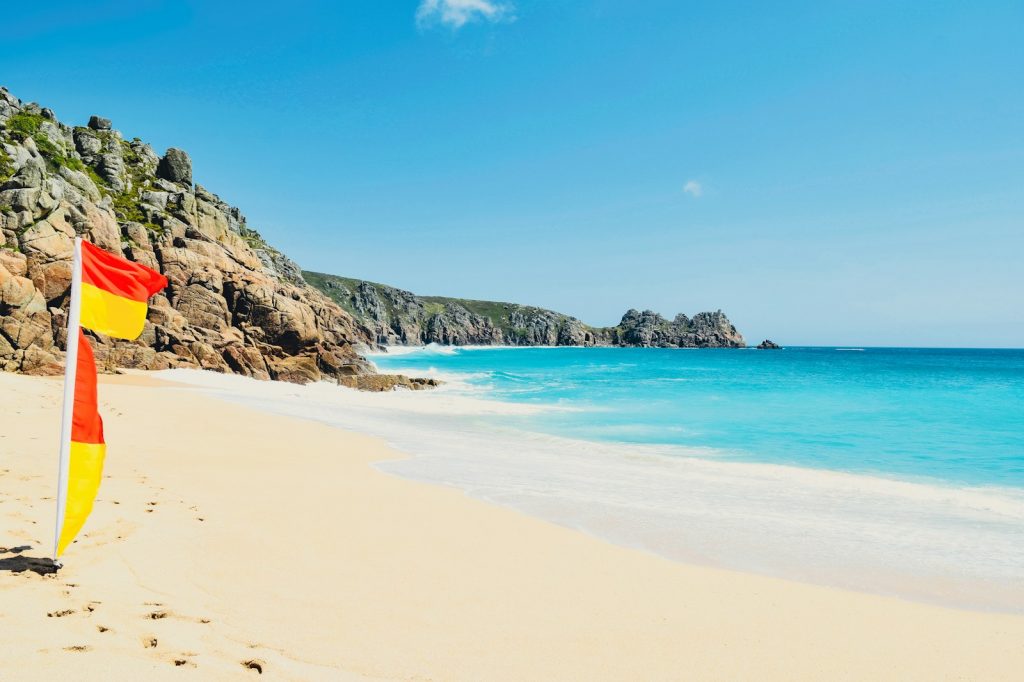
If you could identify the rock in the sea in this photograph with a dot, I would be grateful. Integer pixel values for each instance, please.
(768, 344)
(649, 329)
(176, 166)
(387, 382)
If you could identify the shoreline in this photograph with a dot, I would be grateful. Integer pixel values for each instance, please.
(407, 348)
(274, 541)
(921, 541)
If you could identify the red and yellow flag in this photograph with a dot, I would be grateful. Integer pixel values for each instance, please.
(114, 293)
(108, 296)
(87, 448)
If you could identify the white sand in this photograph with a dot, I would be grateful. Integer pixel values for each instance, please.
(267, 539)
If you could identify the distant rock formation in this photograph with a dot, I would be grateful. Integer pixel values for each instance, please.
(704, 330)
(398, 317)
(768, 344)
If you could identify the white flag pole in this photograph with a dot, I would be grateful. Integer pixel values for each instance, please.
(70, 369)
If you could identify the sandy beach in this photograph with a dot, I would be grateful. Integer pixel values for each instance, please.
(227, 543)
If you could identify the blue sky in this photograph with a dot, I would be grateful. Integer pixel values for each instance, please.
(826, 173)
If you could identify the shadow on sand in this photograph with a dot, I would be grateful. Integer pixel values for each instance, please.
(19, 563)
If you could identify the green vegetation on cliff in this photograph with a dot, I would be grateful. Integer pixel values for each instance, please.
(399, 317)
(357, 297)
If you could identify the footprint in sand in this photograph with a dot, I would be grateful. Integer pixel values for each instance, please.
(255, 664)
(162, 613)
(149, 642)
(183, 659)
(87, 609)
(78, 647)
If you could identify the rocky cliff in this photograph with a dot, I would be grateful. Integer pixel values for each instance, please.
(397, 317)
(234, 304)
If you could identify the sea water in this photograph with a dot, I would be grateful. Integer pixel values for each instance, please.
(895, 471)
(954, 416)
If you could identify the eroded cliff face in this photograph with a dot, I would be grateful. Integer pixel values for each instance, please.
(234, 304)
(649, 329)
(398, 317)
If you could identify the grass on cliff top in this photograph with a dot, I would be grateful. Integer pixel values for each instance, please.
(322, 281)
(24, 125)
(126, 206)
(100, 183)
(497, 311)
(432, 304)
(6, 166)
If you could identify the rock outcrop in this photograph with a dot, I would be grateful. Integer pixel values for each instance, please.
(176, 166)
(649, 329)
(768, 344)
(234, 304)
(398, 317)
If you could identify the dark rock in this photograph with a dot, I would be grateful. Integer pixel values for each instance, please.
(176, 166)
(88, 144)
(388, 382)
(99, 123)
(704, 330)
(768, 344)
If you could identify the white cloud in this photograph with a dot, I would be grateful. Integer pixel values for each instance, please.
(458, 13)
(693, 188)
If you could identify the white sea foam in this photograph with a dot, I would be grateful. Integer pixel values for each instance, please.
(326, 397)
(429, 349)
(957, 546)
(440, 349)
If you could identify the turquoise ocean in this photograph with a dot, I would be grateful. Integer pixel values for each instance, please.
(893, 471)
(953, 416)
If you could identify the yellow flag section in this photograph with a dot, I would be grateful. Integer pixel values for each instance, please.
(88, 449)
(108, 296)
